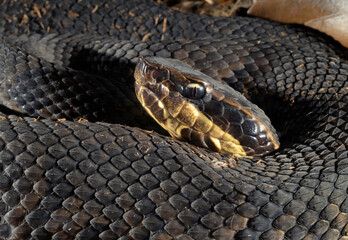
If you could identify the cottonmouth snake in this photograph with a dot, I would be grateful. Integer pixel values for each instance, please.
(65, 179)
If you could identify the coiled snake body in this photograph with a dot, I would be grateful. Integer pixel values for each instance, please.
(64, 177)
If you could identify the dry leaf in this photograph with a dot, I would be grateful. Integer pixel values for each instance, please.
(335, 25)
(329, 16)
(296, 11)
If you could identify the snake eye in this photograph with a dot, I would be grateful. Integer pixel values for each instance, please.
(195, 90)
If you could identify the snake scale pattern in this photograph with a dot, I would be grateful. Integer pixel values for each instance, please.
(61, 177)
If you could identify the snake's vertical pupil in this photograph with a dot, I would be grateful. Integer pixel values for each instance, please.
(195, 91)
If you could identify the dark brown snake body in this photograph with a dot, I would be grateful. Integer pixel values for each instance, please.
(64, 177)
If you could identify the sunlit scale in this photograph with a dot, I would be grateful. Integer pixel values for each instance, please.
(172, 95)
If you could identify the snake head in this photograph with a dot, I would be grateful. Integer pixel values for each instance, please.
(193, 107)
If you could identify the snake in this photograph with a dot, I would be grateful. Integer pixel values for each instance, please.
(80, 158)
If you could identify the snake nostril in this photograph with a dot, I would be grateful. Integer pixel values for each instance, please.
(159, 75)
(155, 75)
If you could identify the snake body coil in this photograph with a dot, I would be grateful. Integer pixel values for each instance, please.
(65, 178)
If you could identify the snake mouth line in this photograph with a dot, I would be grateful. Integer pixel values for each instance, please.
(182, 101)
